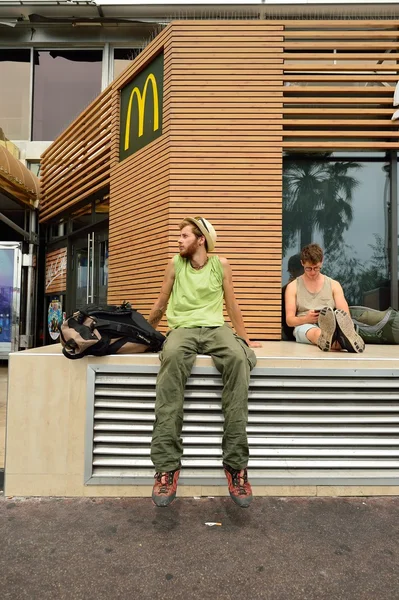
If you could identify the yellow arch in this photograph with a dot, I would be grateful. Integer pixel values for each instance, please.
(141, 98)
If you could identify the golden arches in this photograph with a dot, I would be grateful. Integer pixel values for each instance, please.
(141, 98)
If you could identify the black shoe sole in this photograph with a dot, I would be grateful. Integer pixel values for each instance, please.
(353, 342)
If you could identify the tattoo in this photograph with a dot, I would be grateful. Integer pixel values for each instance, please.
(155, 317)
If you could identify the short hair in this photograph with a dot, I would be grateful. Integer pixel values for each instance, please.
(312, 253)
(196, 230)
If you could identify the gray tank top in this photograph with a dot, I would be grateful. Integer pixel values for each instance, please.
(306, 300)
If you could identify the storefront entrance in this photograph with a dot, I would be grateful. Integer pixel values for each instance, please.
(89, 269)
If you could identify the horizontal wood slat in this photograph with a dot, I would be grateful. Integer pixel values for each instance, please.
(344, 116)
(318, 144)
(253, 201)
(85, 151)
(341, 44)
(336, 33)
(205, 164)
(69, 161)
(56, 271)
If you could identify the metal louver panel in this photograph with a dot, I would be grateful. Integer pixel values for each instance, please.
(326, 427)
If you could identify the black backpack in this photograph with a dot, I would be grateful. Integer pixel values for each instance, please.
(108, 329)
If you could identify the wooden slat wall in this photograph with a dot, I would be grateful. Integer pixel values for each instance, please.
(77, 163)
(220, 156)
(340, 78)
(56, 271)
(236, 93)
(225, 152)
(139, 205)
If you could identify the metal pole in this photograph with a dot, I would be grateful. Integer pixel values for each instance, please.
(106, 66)
(393, 191)
(30, 285)
(26, 235)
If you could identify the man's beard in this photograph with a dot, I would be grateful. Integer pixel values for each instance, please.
(190, 250)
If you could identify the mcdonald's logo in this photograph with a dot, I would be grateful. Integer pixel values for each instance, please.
(141, 109)
(141, 98)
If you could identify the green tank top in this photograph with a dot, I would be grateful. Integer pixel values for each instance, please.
(197, 296)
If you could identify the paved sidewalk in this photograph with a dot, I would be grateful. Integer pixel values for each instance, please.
(279, 549)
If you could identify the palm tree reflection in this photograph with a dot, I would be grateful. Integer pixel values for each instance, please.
(318, 196)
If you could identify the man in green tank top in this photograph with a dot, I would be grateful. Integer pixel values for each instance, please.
(192, 294)
(316, 307)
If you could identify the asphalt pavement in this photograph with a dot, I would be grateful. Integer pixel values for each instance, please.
(278, 549)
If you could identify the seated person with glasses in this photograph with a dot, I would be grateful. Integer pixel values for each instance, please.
(315, 306)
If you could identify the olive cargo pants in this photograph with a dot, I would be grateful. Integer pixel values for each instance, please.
(234, 360)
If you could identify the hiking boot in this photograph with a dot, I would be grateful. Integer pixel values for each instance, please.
(327, 324)
(346, 333)
(239, 486)
(164, 490)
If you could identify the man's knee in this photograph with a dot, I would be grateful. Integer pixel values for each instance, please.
(236, 358)
(307, 333)
(172, 353)
(179, 346)
(313, 335)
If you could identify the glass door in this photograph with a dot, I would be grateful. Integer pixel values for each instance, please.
(101, 273)
(89, 272)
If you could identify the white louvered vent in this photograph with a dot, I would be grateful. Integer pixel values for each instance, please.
(307, 426)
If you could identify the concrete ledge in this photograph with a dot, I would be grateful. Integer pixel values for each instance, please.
(46, 417)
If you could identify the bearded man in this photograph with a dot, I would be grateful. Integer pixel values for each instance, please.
(192, 295)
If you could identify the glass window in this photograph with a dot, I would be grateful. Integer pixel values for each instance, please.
(15, 94)
(82, 264)
(123, 57)
(343, 206)
(103, 272)
(65, 82)
(34, 167)
(56, 230)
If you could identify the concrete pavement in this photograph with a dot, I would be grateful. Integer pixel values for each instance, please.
(279, 549)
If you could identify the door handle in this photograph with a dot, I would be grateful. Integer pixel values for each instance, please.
(90, 268)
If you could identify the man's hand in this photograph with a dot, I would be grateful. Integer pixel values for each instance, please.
(312, 316)
(255, 344)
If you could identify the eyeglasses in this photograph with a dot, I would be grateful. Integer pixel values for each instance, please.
(309, 269)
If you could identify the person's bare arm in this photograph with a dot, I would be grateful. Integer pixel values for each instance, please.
(339, 298)
(161, 303)
(292, 320)
(232, 307)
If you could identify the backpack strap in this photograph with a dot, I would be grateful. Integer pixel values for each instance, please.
(113, 348)
(124, 330)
